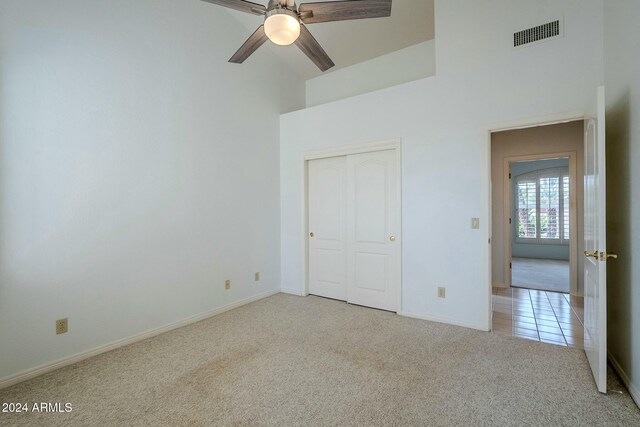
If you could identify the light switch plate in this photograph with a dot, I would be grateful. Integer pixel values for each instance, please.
(475, 223)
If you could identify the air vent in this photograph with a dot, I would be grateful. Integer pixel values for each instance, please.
(536, 34)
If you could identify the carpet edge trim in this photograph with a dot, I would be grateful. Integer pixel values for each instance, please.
(70, 360)
(445, 320)
(633, 391)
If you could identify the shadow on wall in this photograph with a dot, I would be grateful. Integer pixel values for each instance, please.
(619, 295)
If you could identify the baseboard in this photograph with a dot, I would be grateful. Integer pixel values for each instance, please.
(48, 367)
(499, 285)
(446, 320)
(633, 390)
(293, 292)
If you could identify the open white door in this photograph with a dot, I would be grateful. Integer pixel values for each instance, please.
(595, 243)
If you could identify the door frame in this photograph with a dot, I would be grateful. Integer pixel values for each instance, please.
(527, 122)
(573, 214)
(370, 147)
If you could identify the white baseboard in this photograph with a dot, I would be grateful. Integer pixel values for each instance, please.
(52, 366)
(293, 292)
(448, 321)
(633, 390)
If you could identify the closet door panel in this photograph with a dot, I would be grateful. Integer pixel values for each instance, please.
(372, 229)
(327, 198)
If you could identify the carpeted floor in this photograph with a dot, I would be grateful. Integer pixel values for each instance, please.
(289, 360)
(541, 274)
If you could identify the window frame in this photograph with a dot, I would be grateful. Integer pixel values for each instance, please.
(535, 176)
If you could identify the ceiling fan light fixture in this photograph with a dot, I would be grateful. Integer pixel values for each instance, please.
(282, 26)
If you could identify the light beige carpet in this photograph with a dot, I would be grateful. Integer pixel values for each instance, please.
(288, 360)
(541, 274)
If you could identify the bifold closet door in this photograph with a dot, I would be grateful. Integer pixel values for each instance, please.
(373, 219)
(327, 198)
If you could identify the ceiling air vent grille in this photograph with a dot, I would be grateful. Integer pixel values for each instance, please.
(536, 34)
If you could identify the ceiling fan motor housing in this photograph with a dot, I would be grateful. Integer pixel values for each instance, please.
(288, 4)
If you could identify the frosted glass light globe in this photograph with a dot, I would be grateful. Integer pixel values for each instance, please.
(282, 27)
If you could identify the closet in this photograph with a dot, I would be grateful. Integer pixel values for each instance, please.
(354, 228)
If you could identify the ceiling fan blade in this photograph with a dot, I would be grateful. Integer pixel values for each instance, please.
(256, 40)
(310, 46)
(312, 13)
(241, 5)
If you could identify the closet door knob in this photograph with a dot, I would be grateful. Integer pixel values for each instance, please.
(311, 234)
(392, 238)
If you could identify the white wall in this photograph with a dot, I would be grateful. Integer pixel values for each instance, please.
(405, 65)
(138, 170)
(481, 84)
(622, 78)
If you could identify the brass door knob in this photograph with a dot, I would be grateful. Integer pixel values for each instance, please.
(591, 254)
(606, 255)
(392, 238)
(311, 234)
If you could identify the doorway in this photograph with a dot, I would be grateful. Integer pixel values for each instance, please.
(540, 219)
(353, 221)
(537, 232)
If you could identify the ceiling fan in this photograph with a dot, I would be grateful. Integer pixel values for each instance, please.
(284, 23)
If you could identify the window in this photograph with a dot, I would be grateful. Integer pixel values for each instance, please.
(542, 206)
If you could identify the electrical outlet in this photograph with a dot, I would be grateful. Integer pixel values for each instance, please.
(62, 326)
(441, 292)
(256, 276)
(227, 284)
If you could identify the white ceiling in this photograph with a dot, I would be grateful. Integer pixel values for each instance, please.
(351, 42)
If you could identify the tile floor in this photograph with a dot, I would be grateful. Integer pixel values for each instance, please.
(549, 317)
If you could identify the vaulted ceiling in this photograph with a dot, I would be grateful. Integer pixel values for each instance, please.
(349, 42)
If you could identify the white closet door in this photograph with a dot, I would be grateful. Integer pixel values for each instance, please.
(328, 227)
(373, 230)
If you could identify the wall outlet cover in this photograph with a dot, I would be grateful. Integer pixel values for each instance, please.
(62, 326)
